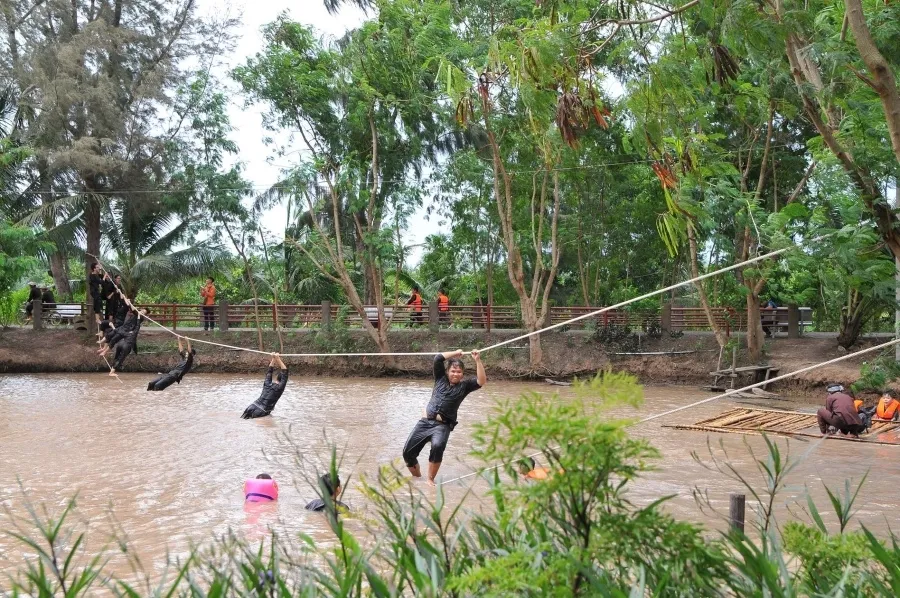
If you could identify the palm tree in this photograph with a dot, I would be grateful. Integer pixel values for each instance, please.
(152, 246)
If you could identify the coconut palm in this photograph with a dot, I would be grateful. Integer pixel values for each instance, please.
(151, 246)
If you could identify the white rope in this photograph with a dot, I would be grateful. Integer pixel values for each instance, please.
(717, 397)
(592, 314)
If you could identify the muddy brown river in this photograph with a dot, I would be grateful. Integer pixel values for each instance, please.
(168, 467)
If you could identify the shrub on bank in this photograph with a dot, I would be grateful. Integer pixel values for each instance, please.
(573, 533)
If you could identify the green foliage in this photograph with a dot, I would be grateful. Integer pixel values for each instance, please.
(10, 304)
(19, 247)
(336, 338)
(877, 374)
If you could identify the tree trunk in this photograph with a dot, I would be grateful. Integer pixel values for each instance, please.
(853, 317)
(755, 332)
(60, 274)
(883, 81)
(92, 237)
(701, 291)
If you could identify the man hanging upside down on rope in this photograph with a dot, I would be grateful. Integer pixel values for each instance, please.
(129, 343)
(272, 391)
(440, 415)
(164, 381)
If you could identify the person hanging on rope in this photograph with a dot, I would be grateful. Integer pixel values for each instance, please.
(95, 282)
(840, 412)
(450, 388)
(164, 381)
(271, 392)
(128, 344)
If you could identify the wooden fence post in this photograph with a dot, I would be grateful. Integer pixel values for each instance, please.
(174, 316)
(223, 315)
(434, 316)
(793, 320)
(665, 318)
(37, 314)
(488, 318)
(326, 315)
(736, 511)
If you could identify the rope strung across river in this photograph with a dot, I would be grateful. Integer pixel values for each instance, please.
(727, 393)
(592, 314)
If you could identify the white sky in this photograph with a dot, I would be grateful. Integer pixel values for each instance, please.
(261, 166)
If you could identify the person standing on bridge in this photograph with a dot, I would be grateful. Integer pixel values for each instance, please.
(440, 414)
(415, 300)
(208, 292)
(443, 306)
(840, 412)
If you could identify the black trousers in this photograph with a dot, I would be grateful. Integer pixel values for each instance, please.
(123, 350)
(209, 317)
(426, 430)
(162, 382)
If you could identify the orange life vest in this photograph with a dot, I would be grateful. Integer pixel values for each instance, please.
(443, 302)
(857, 404)
(888, 408)
(417, 301)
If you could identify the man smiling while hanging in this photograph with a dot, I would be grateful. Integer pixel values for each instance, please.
(440, 414)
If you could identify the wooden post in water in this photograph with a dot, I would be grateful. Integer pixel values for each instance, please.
(736, 511)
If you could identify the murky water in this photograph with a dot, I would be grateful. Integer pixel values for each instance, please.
(169, 467)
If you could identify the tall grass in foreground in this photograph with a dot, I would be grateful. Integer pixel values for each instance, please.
(575, 533)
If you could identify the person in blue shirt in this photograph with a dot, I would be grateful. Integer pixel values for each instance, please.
(450, 388)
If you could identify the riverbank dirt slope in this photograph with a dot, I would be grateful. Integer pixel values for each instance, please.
(685, 360)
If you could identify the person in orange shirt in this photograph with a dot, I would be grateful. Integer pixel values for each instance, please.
(444, 306)
(888, 408)
(529, 470)
(208, 293)
(415, 300)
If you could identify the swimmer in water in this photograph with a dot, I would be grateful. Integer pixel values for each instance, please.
(164, 381)
(529, 470)
(440, 414)
(271, 392)
(257, 496)
(330, 486)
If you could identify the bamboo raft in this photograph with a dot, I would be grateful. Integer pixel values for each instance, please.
(755, 421)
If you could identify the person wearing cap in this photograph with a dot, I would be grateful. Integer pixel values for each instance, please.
(33, 295)
(839, 412)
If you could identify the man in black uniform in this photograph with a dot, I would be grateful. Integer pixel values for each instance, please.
(111, 296)
(129, 343)
(34, 294)
(331, 487)
(440, 415)
(164, 381)
(272, 391)
(95, 281)
(48, 301)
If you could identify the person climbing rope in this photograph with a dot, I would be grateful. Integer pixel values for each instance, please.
(271, 392)
(164, 381)
(440, 415)
(128, 344)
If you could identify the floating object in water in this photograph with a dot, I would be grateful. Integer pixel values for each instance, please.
(786, 423)
(260, 490)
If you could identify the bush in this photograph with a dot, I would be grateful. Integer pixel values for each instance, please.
(10, 304)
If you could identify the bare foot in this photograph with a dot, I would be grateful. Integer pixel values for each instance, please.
(431, 482)
(112, 372)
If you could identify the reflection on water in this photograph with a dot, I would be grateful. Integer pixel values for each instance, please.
(169, 467)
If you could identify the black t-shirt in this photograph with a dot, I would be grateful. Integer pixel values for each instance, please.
(446, 398)
(96, 281)
(319, 505)
(34, 294)
(108, 288)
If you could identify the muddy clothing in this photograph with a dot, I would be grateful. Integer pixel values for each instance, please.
(319, 505)
(272, 391)
(164, 381)
(445, 397)
(426, 430)
(840, 412)
(121, 313)
(440, 417)
(128, 344)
